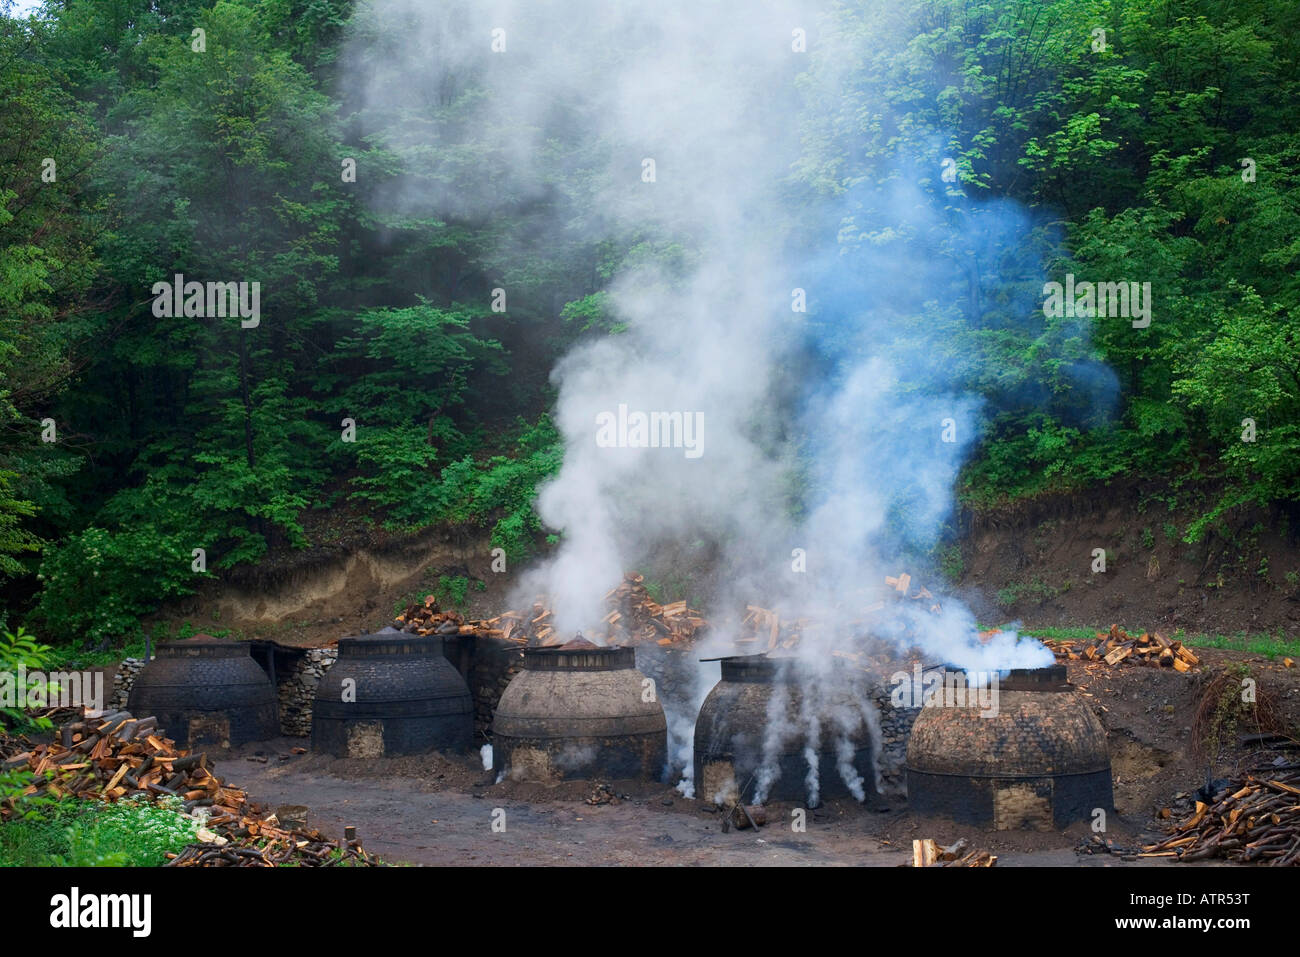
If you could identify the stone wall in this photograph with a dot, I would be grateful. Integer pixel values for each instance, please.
(895, 727)
(297, 690)
(125, 677)
(493, 663)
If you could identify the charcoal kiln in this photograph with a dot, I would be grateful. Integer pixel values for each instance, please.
(579, 711)
(207, 691)
(759, 722)
(391, 693)
(1040, 762)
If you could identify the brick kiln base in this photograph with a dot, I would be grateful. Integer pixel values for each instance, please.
(1034, 803)
(548, 760)
(717, 778)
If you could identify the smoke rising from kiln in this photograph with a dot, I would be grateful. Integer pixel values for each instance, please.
(840, 409)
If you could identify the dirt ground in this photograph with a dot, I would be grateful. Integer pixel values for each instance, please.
(440, 810)
(436, 816)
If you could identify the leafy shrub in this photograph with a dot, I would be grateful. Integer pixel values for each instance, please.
(22, 650)
(98, 584)
(501, 492)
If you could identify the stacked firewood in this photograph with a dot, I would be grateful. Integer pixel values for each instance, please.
(1255, 818)
(113, 756)
(763, 630)
(1117, 645)
(928, 853)
(633, 618)
(534, 626)
(426, 618)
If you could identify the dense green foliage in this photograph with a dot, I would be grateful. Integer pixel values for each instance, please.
(21, 651)
(177, 433)
(1137, 151)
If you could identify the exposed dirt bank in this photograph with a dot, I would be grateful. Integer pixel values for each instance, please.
(1034, 561)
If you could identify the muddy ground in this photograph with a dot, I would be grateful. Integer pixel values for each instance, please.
(439, 810)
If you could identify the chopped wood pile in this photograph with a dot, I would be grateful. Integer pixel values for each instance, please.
(1256, 818)
(633, 618)
(426, 618)
(928, 853)
(1117, 645)
(115, 756)
(763, 630)
(269, 845)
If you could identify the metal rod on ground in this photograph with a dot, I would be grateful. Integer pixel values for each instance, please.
(740, 803)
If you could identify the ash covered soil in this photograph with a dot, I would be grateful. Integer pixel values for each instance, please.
(439, 810)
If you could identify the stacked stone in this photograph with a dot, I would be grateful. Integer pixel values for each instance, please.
(127, 672)
(673, 669)
(298, 690)
(895, 728)
(495, 663)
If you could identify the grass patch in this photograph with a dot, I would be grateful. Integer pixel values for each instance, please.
(1266, 645)
(1037, 591)
(1269, 646)
(73, 657)
(76, 833)
(951, 564)
(1061, 634)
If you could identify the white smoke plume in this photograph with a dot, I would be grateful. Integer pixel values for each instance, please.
(778, 731)
(563, 115)
(811, 712)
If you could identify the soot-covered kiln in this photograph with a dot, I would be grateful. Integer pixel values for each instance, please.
(579, 711)
(207, 691)
(1039, 762)
(758, 725)
(391, 693)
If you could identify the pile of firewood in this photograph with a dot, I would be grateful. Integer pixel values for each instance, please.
(928, 853)
(113, 756)
(1117, 645)
(765, 631)
(1255, 818)
(426, 618)
(532, 627)
(268, 845)
(634, 618)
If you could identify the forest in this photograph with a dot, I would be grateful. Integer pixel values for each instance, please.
(397, 374)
